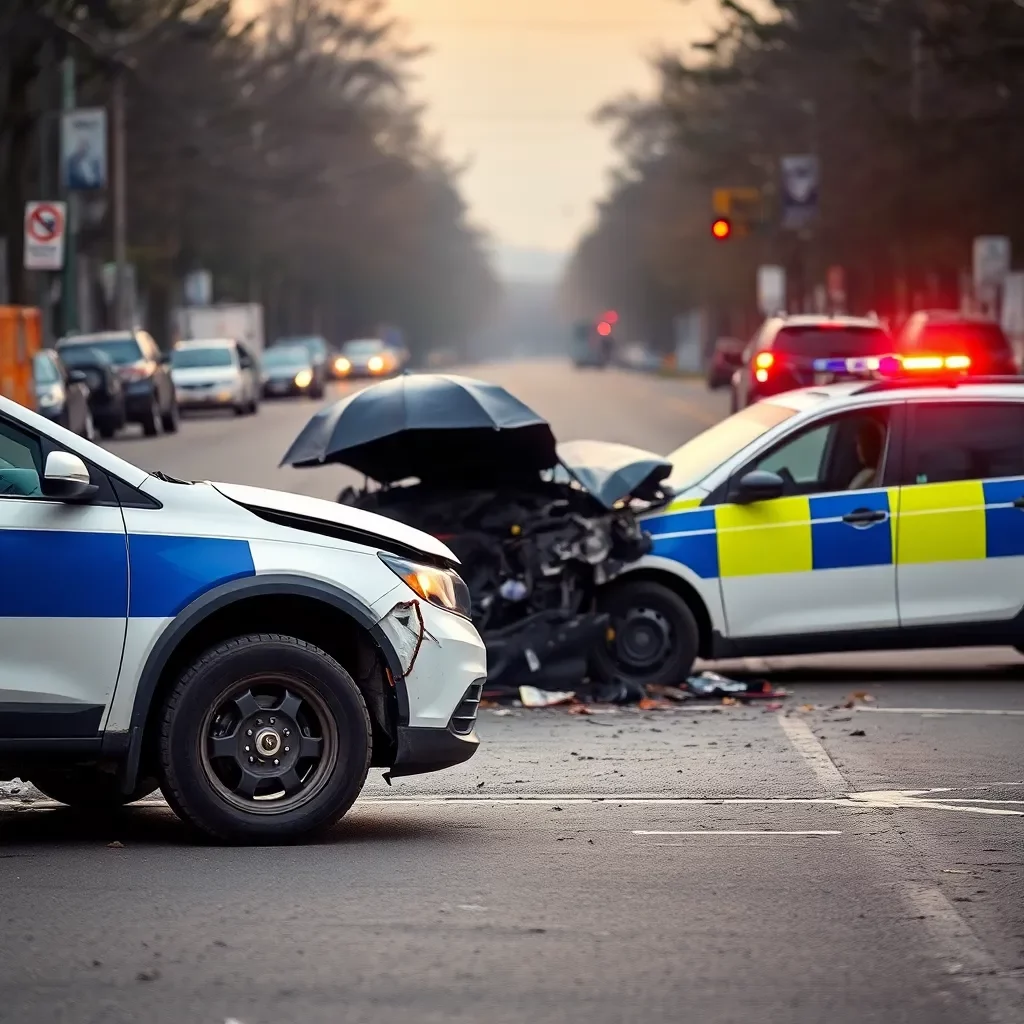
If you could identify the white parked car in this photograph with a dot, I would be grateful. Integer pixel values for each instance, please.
(250, 652)
(215, 373)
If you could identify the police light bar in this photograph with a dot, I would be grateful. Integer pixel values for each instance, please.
(893, 365)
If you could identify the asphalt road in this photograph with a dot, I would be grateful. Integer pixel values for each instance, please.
(813, 862)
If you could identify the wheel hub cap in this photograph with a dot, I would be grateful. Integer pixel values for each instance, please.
(268, 742)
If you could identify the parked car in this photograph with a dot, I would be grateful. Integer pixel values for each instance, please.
(975, 345)
(219, 373)
(799, 351)
(106, 392)
(144, 371)
(317, 346)
(62, 394)
(290, 370)
(369, 357)
(726, 359)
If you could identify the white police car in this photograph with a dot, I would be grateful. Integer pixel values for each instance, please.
(251, 652)
(856, 516)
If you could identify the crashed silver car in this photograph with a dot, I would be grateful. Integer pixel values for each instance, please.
(542, 531)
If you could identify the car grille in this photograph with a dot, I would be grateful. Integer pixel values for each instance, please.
(464, 717)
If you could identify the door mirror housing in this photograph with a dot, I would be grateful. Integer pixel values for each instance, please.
(758, 485)
(66, 478)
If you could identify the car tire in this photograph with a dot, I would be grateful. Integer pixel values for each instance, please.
(152, 420)
(170, 419)
(638, 611)
(88, 788)
(241, 410)
(216, 713)
(106, 429)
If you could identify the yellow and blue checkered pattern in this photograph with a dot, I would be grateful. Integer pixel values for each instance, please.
(924, 523)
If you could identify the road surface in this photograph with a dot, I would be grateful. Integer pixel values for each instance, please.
(819, 862)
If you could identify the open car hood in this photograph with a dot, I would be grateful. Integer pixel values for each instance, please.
(612, 472)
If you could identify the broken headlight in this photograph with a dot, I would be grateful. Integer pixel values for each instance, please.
(440, 587)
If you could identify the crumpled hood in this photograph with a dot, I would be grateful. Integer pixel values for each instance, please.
(612, 472)
(367, 523)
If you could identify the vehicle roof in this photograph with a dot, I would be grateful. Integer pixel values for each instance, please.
(91, 339)
(207, 343)
(818, 319)
(864, 392)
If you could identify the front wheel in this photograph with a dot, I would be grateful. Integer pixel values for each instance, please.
(88, 788)
(655, 635)
(264, 739)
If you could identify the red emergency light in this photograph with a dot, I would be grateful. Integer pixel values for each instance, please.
(604, 328)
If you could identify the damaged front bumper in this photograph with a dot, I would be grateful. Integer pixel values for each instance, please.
(432, 750)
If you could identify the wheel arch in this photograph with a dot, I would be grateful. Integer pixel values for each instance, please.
(320, 613)
(676, 582)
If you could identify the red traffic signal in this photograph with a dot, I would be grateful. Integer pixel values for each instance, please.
(721, 228)
(604, 328)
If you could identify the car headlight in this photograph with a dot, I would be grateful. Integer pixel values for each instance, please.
(375, 364)
(342, 365)
(440, 587)
(50, 396)
(304, 378)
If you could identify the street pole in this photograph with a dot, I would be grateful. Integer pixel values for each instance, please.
(120, 187)
(69, 291)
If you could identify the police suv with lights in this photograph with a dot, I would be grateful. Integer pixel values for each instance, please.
(250, 652)
(863, 515)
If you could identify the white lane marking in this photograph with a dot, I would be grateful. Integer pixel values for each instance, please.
(739, 832)
(963, 955)
(919, 798)
(807, 745)
(940, 711)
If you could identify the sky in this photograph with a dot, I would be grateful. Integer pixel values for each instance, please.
(511, 86)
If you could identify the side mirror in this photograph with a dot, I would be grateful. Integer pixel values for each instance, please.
(66, 478)
(77, 377)
(758, 485)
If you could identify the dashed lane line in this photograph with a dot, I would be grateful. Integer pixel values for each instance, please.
(810, 749)
(738, 832)
(1004, 712)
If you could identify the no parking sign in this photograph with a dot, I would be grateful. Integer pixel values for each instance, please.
(45, 227)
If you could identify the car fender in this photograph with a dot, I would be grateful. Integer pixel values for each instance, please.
(128, 745)
(708, 591)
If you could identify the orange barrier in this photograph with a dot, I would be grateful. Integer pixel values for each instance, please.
(20, 340)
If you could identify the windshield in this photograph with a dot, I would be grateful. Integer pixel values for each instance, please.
(82, 355)
(839, 342)
(363, 348)
(965, 337)
(693, 461)
(44, 370)
(120, 351)
(286, 357)
(192, 358)
(314, 345)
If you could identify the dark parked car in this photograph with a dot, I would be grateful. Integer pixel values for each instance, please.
(291, 370)
(726, 359)
(62, 394)
(806, 350)
(978, 344)
(145, 375)
(106, 392)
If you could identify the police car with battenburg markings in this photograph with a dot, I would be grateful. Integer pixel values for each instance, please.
(250, 652)
(865, 515)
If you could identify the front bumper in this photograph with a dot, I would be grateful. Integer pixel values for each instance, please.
(431, 750)
(206, 398)
(286, 388)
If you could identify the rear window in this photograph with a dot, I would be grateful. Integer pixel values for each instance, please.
(967, 337)
(120, 351)
(839, 342)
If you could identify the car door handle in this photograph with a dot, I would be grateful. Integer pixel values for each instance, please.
(864, 516)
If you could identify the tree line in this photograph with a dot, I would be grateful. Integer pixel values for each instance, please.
(913, 108)
(277, 148)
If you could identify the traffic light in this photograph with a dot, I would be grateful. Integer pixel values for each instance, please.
(721, 228)
(604, 328)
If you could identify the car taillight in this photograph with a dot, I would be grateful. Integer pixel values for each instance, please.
(763, 362)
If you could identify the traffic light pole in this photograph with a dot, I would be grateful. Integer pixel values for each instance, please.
(69, 285)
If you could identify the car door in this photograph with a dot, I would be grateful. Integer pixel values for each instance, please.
(960, 533)
(63, 599)
(819, 558)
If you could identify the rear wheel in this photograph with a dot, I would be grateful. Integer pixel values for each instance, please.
(88, 788)
(655, 635)
(264, 739)
(107, 429)
(170, 419)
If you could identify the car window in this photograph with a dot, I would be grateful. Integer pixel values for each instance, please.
(120, 351)
(845, 453)
(363, 348)
(964, 441)
(286, 357)
(839, 342)
(196, 358)
(693, 461)
(21, 460)
(44, 369)
(964, 337)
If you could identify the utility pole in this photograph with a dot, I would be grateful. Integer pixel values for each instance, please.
(916, 71)
(120, 188)
(69, 289)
